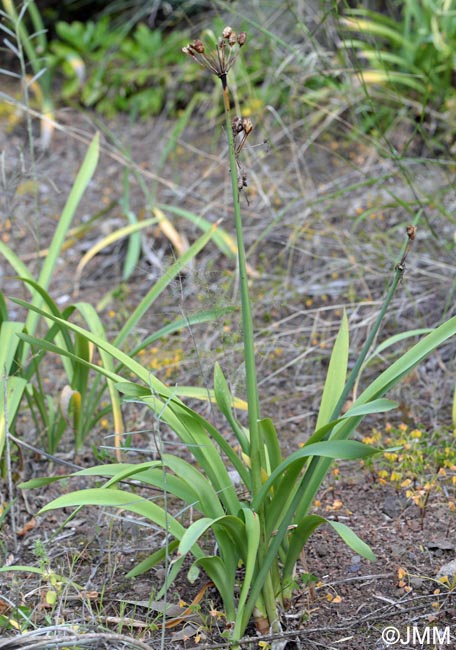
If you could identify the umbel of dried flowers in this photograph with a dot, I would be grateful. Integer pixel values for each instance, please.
(220, 60)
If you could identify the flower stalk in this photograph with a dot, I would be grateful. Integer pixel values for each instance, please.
(219, 63)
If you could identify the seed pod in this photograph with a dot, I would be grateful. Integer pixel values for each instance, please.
(242, 37)
(411, 232)
(236, 125)
(232, 39)
(197, 46)
(247, 125)
(226, 32)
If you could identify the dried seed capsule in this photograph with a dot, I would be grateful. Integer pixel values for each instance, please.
(197, 46)
(227, 32)
(411, 232)
(242, 37)
(236, 125)
(232, 39)
(247, 125)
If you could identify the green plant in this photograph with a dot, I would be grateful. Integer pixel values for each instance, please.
(424, 464)
(413, 53)
(79, 401)
(133, 72)
(35, 48)
(263, 527)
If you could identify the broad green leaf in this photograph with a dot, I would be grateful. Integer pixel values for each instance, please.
(155, 475)
(41, 482)
(380, 405)
(9, 342)
(357, 411)
(154, 559)
(352, 540)
(253, 535)
(193, 534)
(208, 500)
(340, 449)
(408, 361)
(123, 500)
(225, 402)
(271, 440)
(15, 387)
(223, 581)
(336, 375)
(297, 540)
(299, 536)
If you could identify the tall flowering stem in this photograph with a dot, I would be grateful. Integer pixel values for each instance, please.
(219, 63)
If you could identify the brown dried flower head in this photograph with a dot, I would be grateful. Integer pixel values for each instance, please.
(220, 60)
(236, 125)
(197, 46)
(247, 125)
(232, 39)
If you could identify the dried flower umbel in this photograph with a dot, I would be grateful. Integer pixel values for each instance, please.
(226, 50)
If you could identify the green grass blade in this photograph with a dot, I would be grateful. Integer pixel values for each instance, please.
(15, 262)
(222, 239)
(162, 283)
(200, 317)
(82, 180)
(14, 390)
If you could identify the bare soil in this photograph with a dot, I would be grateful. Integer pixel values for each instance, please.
(324, 221)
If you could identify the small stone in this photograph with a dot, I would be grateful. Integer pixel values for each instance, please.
(393, 506)
(442, 544)
(448, 569)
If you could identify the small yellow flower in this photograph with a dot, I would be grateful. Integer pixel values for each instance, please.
(390, 456)
(403, 427)
(416, 433)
